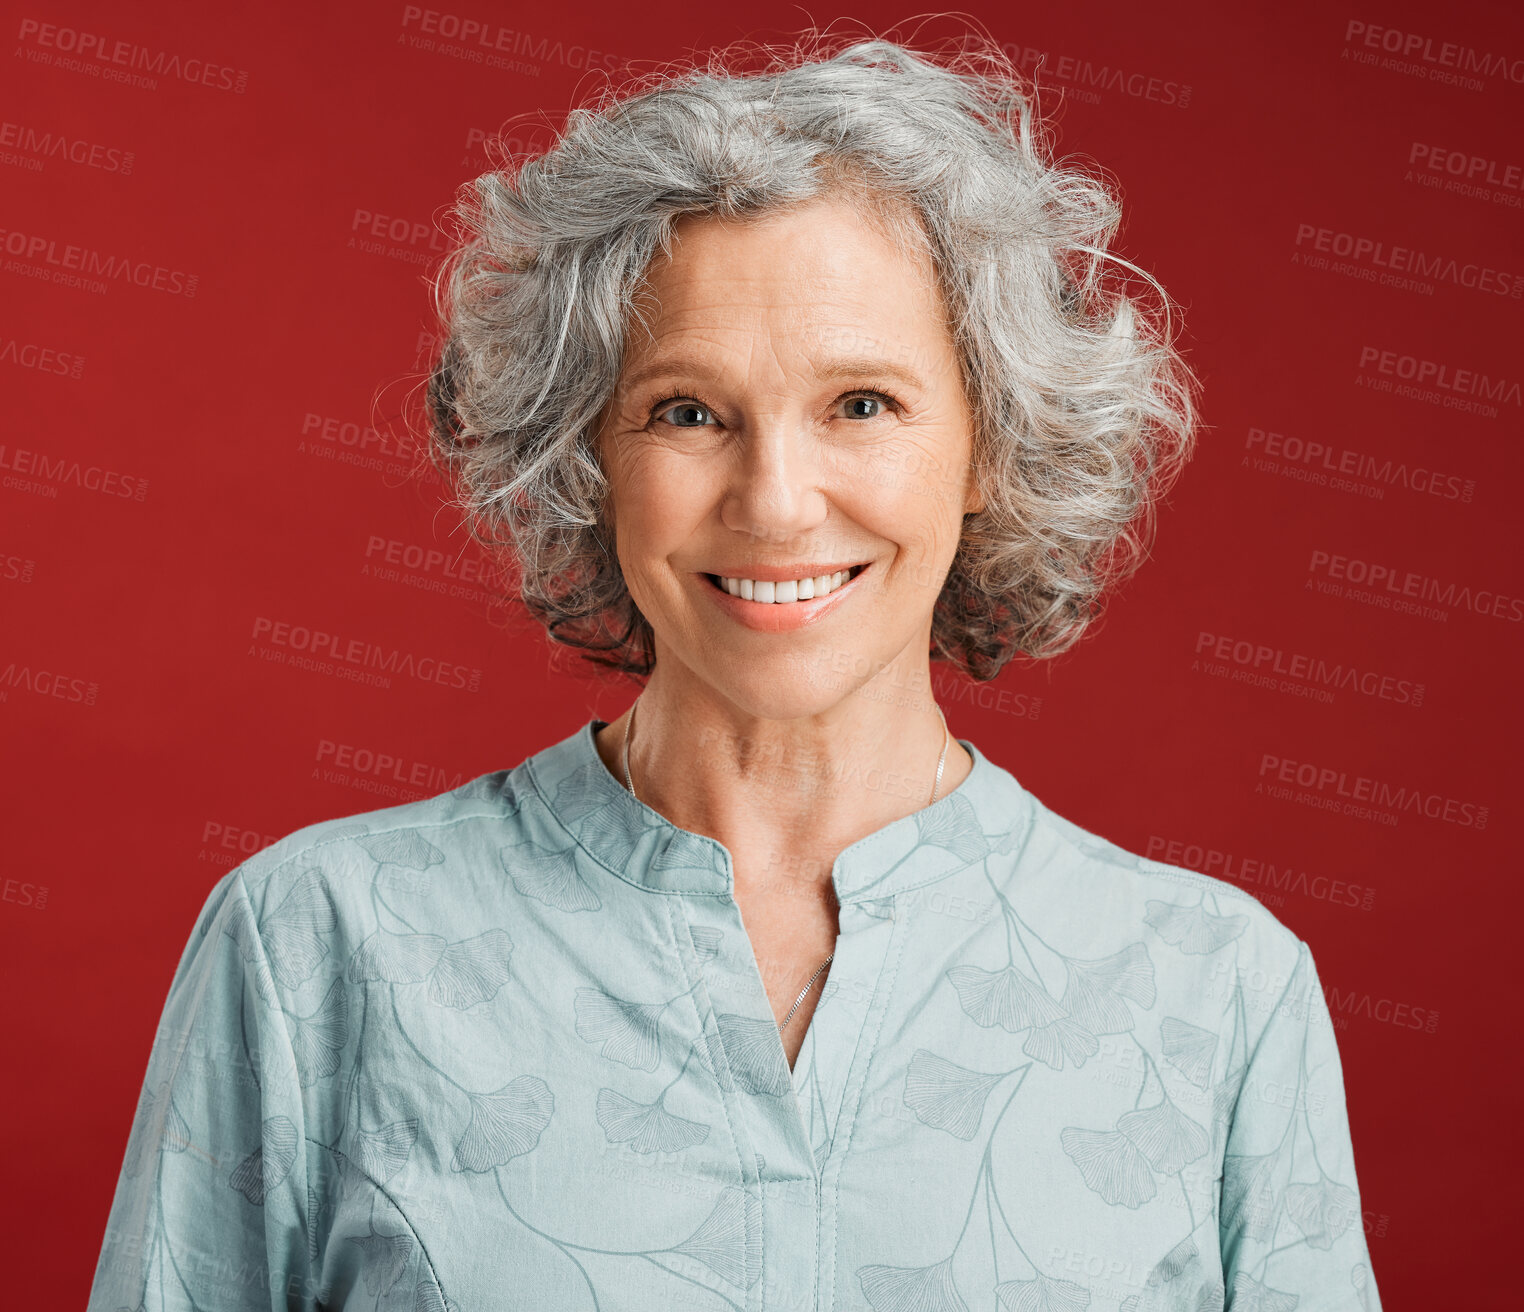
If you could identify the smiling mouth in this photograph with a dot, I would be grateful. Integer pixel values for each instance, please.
(717, 583)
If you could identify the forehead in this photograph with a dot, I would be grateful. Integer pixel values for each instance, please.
(808, 276)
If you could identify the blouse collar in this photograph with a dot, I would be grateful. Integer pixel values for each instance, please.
(988, 813)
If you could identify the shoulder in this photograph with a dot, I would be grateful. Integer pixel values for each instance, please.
(367, 895)
(414, 837)
(1183, 916)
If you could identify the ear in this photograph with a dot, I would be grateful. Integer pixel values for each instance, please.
(973, 500)
(599, 457)
(973, 477)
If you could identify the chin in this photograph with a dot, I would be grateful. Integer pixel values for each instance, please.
(791, 686)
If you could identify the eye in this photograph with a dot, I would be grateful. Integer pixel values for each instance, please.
(868, 404)
(689, 413)
(680, 411)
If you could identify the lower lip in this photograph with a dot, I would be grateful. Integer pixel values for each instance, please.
(779, 616)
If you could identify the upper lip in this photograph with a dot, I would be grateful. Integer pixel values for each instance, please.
(783, 573)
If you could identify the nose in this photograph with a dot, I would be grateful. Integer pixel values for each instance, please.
(776, 492)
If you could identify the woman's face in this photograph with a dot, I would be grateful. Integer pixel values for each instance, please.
(796, 408)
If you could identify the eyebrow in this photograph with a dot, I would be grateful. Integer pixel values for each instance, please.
(857, 366)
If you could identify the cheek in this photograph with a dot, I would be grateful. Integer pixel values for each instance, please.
(659, 505)
(635, 485)
(909, 496)
(673, 500)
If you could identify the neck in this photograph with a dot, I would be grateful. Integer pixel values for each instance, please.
(784, 795)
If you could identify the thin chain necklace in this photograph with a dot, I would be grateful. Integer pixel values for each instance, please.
(935, 789)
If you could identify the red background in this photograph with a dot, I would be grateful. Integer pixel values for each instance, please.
(147, 745)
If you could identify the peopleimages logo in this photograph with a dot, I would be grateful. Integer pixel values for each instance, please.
(1391, 583)
(43, 682)
(490, 149)
(1430, 373)
(1263, 875)
(1335, 789)
(409, 240)
(1414, 52)
(80, 266)
(1344, 1003)
(225, 845)
(1374, 261)
(481, 41)
(385, 774)
(363, 446)
(1317, 461)
(50, 145)
(429, 569)
(1088, 78)
(1255, 662)
(44, 359)
(116, 60)
(1464, 174)
(355, 659)
(16, 569)
(362, 437)
(18, 465)
(1467, 390)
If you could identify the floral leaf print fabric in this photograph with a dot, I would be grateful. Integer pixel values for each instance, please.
(508, 1047)
(504, 1124)
(211, 1206)
(1290, 1210)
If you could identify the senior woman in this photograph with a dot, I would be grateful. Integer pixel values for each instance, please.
(769, 994)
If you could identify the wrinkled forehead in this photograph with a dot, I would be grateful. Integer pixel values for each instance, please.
(811, 282)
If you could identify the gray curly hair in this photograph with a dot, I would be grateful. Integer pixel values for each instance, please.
(1083, 410)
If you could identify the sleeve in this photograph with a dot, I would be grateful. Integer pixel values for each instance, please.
(1290, 1224)
(210, 1205)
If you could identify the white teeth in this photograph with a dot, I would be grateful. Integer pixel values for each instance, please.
(806, 589)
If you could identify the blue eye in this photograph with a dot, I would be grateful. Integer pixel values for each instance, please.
(693, 415)
(684, 412)
(864, 399)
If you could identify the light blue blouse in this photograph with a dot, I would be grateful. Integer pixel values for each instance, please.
(508, 1048)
